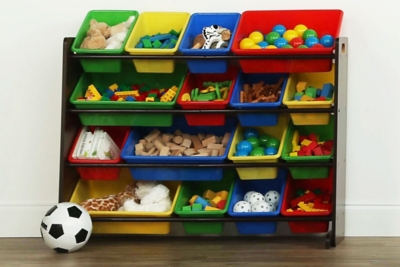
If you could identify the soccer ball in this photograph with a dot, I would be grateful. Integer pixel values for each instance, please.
(242, 206)
(261, 206)
(66, 227)
(272, 197)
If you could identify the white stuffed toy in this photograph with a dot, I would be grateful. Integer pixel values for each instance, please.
(153, 198)
(118, 34)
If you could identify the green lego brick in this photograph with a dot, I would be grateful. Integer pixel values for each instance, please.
(186, 208)
(147, 43)
(311, 92)
(157, 44)
(197, 207)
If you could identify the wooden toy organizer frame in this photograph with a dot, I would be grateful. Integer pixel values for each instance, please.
(70, 124)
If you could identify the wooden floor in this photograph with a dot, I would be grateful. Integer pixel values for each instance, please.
(204, 252)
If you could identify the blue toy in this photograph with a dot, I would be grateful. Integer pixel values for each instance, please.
(326, 40)
(279, 28)
(269, 151)
(327, 90)
(250, 132)
(280, 42)
(244, 145)
(310, 41)
(241, 153)
(263, 44)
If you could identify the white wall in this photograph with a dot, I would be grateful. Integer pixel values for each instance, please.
(30, 77)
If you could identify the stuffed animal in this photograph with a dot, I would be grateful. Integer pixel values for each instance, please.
(212, 37)
(94, 40)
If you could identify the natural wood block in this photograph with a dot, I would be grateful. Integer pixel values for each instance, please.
(205, 150)
(209, 140)
(142, 141)
(138, 152)
(189, 151)
(185, 136)
(196, 142)
(139, 146)
(166, 138)
(177, 139)
(152, 135)
(176, 153)
(164, 151)
(186, 143)
(159, 145)
(176, 147)
(221, 152)
(201, 155)
(178, 132)
(152, 150)
(201, 136)
(214, 152)
(215, 146)
(225, 139)
(148, 146)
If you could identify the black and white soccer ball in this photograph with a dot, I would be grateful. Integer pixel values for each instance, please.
(66, 227)
(272, 197)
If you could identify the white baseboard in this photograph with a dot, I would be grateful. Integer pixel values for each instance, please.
(24, 220)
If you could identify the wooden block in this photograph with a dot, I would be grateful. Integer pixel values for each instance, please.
(159, 145)
(185, 136)
(189, 151)
(225, 139)
(214, 152)
(201, 136)
(152, 135)
(301, 86)
(215, 201)
(211, 208)
(148, 146)
(209, 140)
(197, 207)
(142, 141)
(221, 152)
(196, 142)
(209, 135)
(200, 155)
(187, 208)
(246, 88)
(169, 144)
(177, 139)
(138, 152)
(139, 146)
(176, 147)
(223, 194)
(186, 143)
(242, 97)
(156, 153)
(176, 153)
(152, 150)
(221, 204)
(164, 151)
(166, 138)
(215, 146)
(178, 132)
(204, 150)
(209, 194)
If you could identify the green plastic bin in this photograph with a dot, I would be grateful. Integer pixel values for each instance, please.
(111, 17)
(325, 132)
(190, 189)
(127, 76)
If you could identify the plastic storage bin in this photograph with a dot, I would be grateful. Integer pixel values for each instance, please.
(92, 189)
(195, 26)
(317, 80)
(127, 76)
(257, 119)
(182, 174)
(111, 17)
(190, 189)
(279, 132)
(322, 21)
(119, 135)
(262, 186)
(150, 23)
(290, 193)
(193, 81)
(325, 132)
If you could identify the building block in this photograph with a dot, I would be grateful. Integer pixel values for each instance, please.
(209, 194)
(147, 43)
(221, 204)
(327, 90)
(301, 86)
(312, 145)
(211, 208)
(318, 151)
(304, 198)
(149, 99)
(156, 44)
(215, 201)
(306, 98)
(186, 208)
(202, 201)
(296, 138)
(293, 154)
(197, 207)
(311, 92)
(304, 206)
(193, 199)
(113, 87)
(305, 142)
(92, 93)
(223, 194)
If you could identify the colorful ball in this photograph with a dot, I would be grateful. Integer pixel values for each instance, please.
(302, 46)
(256, 36)
(287, 46)
(327, 40)
(255, 46)
(290, 34)
(280, 42)
(273, 142)
(271, 47)
(245, 146)
(310, 41)
(271, 37)
(257, 153)
(309, 33)
(279, 28)
(263, 139)
(241, 153)
(246, 43)
(263, 44)
(317, 46)
(295, 42)
(253, 141)
(269, 151)
(250, 132)
(300, 29)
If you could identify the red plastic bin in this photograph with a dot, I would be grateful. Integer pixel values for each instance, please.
(322, 21)
(119, 135)
(196, 81)
(292, 185)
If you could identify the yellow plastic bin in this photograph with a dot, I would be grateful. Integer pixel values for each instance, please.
(317, 80)
(86, 189)
(150, 23)
(278, 131)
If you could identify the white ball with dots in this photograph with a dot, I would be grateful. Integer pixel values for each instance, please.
(247, 195)
(242, 206)
(272, 197)
(254, 197)
(261, 206)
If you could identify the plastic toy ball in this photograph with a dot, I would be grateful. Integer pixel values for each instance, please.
(242, 206)
(273, 142)
(302, 46)
(290, 34)
(256, 197)
(287, 46)
(272, 197)
(295, 42)
(245, 43)
(317, 46)
(260, 206)
(250, 132)
(256, 36)
(309, 33)
(300, 29)
(280, 42)
(271, 47)
(66, 227)
(257, 152)
(279, 28)
(263, 44)
(253, 141)
(271, 37)
(255, 46)
(310, 41)
(263, 139)
(245, 146)
(326, 40)
(270, 151)
(247, 195)
(241, 153)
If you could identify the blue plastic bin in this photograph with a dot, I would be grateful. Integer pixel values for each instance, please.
(263, 186)
(257, 119)
(177, 174)
(195, 26)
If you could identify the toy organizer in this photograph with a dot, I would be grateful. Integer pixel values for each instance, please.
(305, 164)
